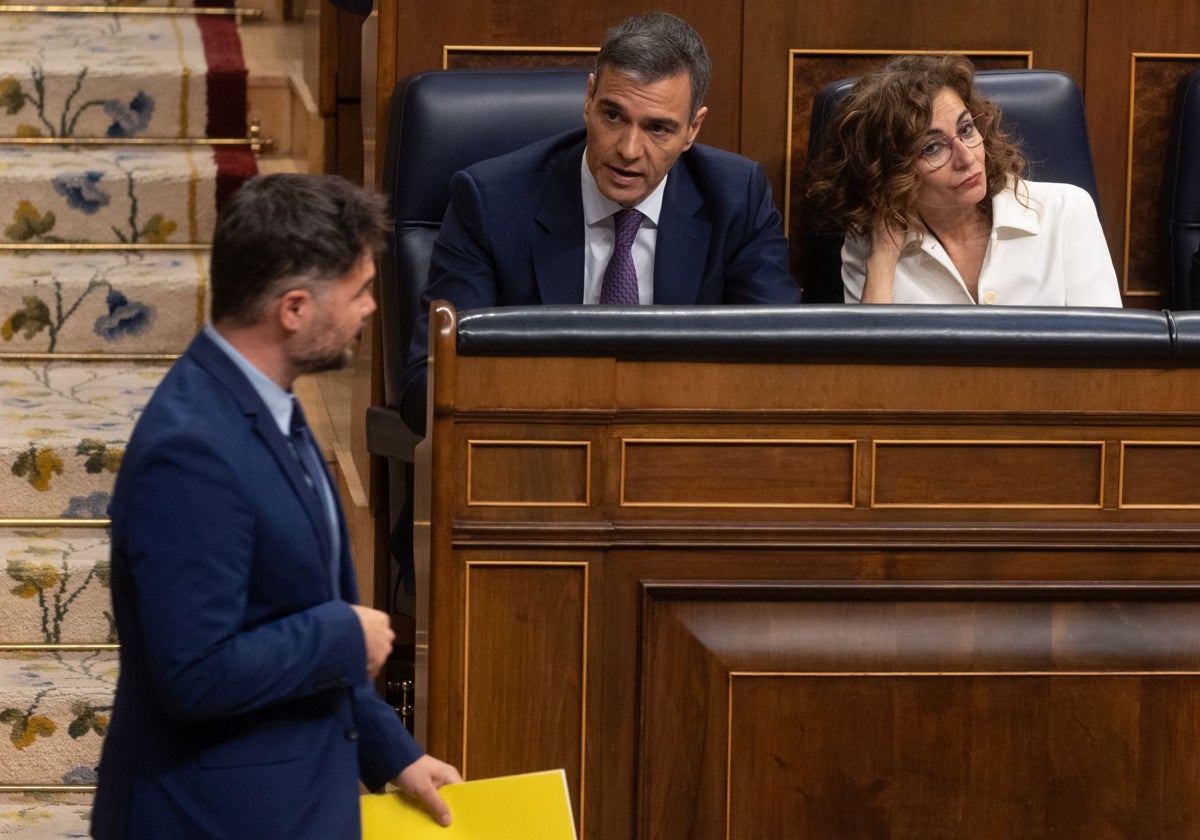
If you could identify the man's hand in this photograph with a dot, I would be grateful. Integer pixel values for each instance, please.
(421, 780)
(378, 635)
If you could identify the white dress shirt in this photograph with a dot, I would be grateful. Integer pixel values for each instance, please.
(599, 234)
(1049, 253)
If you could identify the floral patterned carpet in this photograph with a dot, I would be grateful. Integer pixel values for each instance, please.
(69, 76)
(100, 302)
(103, 280)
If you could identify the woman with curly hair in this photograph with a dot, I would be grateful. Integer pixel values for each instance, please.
(928, 189)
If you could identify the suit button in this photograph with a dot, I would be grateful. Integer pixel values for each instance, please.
(989, 297)
(351, 733)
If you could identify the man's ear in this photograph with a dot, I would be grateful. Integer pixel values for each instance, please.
(694, 127)
(291, 308)
(591, 90)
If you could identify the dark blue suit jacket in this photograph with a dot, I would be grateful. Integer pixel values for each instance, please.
(513, 236)
(243, 708)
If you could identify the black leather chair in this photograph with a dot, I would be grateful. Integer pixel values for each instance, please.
(1041, 108)
(1183, 194)
(438, 123)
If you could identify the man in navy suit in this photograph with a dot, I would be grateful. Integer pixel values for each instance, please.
(245, 706)
(537, 226)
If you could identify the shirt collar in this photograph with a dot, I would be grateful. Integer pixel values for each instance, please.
(1008, 211)
(277, 400)
(597, 207)
(1008, 214)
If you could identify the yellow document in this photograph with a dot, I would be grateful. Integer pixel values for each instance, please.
(531, 806)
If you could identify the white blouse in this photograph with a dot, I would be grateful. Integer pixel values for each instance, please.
(1051, 253)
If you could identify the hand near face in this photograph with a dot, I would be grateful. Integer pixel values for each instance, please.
(887, 241)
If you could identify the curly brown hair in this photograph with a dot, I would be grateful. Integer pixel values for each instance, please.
(867, 172)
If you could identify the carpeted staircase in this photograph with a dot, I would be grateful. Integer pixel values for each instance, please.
(107, 203)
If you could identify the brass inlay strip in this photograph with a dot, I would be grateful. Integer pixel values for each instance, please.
(1157, 672)
(87, 357)
(128, 141)
(43, 647)
(583, 684)
(54, 523)
(47, 788)
(145, 11)
(104, 246)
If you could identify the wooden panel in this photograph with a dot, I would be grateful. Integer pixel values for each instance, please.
(916, 712)
(1054, 756)
(1123, 130)
(483, 57)
(528, 472)
(1160, 475)
(1152, 92)
(526, 669)
(745, 473)
(993, 474)
(420, 33)
(774, 29)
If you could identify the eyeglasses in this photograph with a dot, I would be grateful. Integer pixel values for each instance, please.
(937, 152)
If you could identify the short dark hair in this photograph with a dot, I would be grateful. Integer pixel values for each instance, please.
(279, 228)
(657, 46)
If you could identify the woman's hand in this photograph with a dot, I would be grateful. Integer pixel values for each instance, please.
(887, 241)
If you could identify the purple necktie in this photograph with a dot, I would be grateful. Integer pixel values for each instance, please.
(620, 285)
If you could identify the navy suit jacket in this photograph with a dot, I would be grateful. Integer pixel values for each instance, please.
(243, 708)
(513, 235)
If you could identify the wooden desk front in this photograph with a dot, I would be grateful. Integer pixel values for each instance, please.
(792, 600)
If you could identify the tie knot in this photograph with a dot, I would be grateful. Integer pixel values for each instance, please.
(627, 223)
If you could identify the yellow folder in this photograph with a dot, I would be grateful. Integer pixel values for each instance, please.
(530, 806)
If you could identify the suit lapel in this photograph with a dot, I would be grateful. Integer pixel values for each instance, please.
(289, 462)
(214, 360)
(682, 249)
(558, 254)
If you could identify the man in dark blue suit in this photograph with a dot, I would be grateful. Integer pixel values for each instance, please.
(538, 226)
(245, 706)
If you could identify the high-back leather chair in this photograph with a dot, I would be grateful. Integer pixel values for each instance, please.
(438, 123)
(1183, 194)
(1041, 108)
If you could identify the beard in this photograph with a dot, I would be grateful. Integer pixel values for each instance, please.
(319, 361)
(323, 350)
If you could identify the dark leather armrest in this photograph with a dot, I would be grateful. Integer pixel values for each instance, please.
(387, 435)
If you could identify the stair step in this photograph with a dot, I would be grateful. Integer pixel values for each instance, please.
(63, 429)
(121, 76)
(149, 302)
(39, 815)
(116, 195)
(57, 586)
(54, 712)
